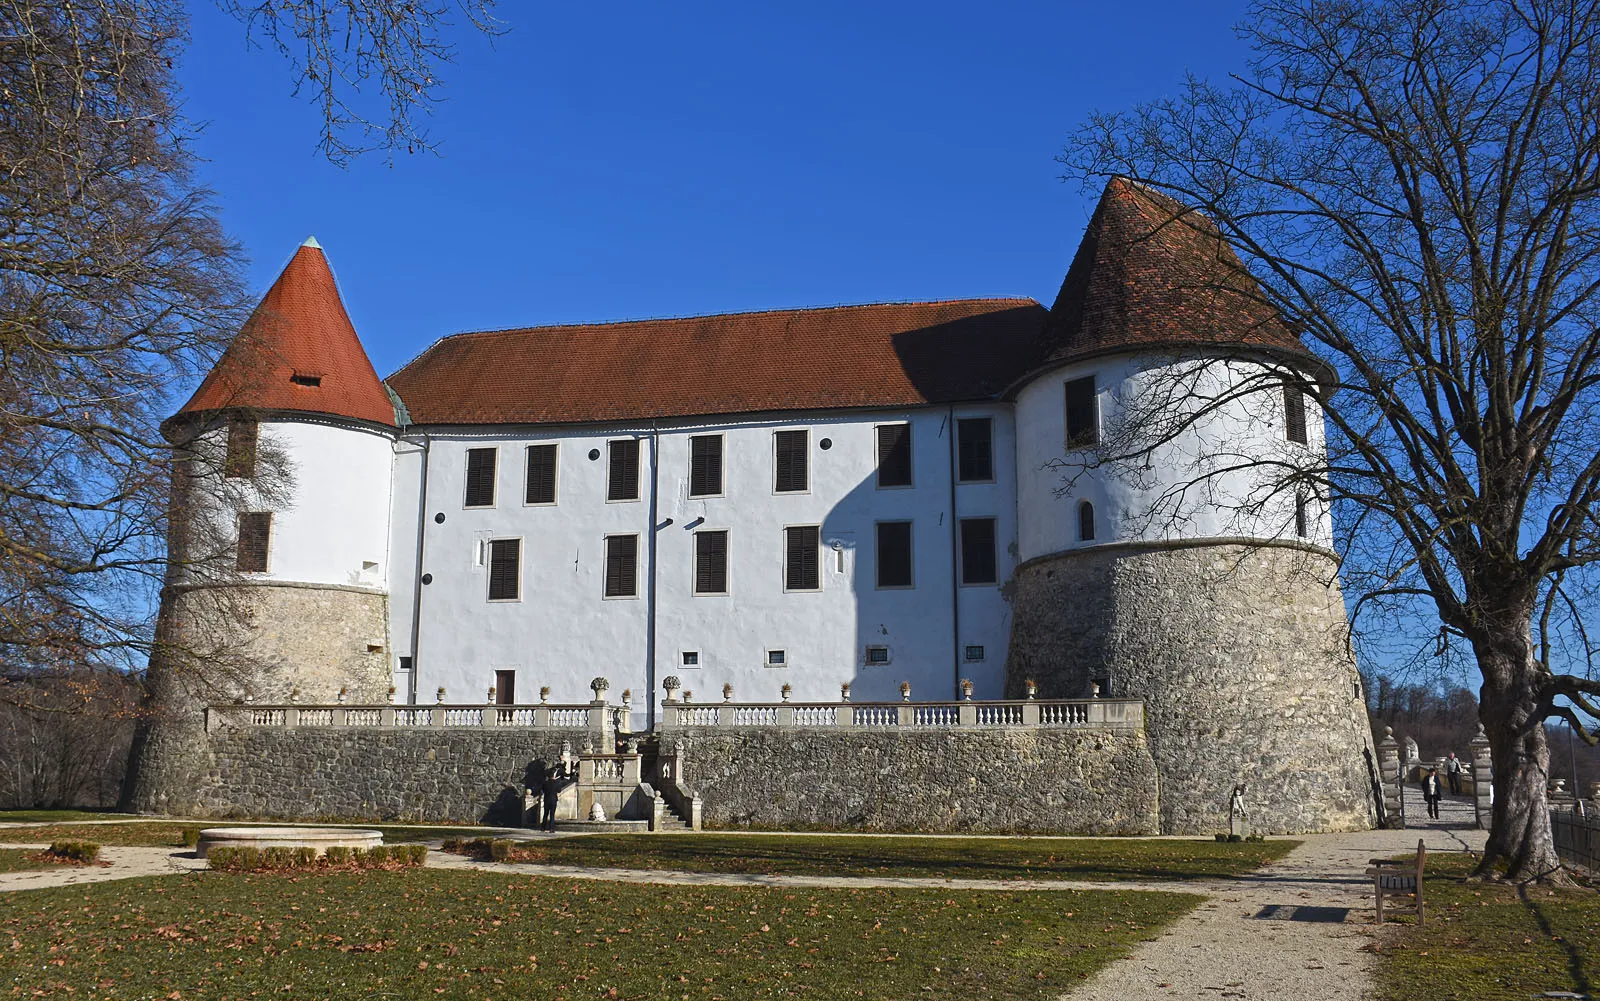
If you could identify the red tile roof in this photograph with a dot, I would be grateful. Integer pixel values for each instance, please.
(1152, 272)
(888, 355)
(297, 352)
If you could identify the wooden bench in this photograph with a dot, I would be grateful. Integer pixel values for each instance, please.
(1393, 877)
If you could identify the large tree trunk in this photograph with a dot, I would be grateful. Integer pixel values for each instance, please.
(1508, 706)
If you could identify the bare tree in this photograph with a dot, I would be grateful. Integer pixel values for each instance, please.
(1413, 186)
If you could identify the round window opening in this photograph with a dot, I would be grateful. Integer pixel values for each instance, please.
(438, 519)
(594, 453)
(427, 578)
(826, 443)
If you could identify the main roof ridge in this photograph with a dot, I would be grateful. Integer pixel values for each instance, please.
(1018, 300)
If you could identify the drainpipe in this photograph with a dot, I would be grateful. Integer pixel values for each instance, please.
(416, 588)
(955, 564)
(650, 586)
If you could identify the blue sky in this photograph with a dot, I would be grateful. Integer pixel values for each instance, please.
(633, 160)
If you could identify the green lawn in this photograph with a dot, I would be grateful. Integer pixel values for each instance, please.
(456, 934)
(1488, 941)
(55, 816)
(968, 858)
(20, 860)
(159, 834)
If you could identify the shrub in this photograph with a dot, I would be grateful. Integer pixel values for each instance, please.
(409, 854)
(480, 846)
(500, 849)
(378, 855)
(249, 857)
(305, 857)
(337, 855)
(223, 858)
(278, 857)
(76, 851)
(191, 837)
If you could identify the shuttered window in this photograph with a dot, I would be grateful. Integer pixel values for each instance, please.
(894, 554)
(977, 551)
(790, 472)
(622, 566)
(1302, 517)
(255, 536)
(705, 465)
(711, 563)
(480, 476)
(240, 461)
(505, 569)
(505, 688)
(1083, 419)
(894, 455)
(975, 449)
(1085, 521)
(1294, 412)
(622, 481)
(541, 486)
(801, 571)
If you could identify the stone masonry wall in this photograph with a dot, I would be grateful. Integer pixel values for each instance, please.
(1033, 781)
(1240, 655)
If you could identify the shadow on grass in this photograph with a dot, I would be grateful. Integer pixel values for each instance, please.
(1575, 958)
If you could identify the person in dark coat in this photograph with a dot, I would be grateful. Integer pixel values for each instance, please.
(1432, 791)
(552, 792)
(1452, 769)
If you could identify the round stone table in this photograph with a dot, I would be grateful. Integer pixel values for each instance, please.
(320, 838)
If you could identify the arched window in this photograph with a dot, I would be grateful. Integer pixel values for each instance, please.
(1085, 521)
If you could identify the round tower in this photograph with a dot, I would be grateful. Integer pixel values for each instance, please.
(279, 532)
(1164, 554)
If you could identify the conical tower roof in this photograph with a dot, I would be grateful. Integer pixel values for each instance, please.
(1154, 273)
(297, 352)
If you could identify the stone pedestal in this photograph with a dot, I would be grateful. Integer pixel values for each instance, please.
(1391, 773)
(1482, 779)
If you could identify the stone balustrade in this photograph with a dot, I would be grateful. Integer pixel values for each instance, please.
(1107, 714)
(594, 716)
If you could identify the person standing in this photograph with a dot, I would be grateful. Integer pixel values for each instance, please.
(1432, 791)
(1452, 769)
(552, 792)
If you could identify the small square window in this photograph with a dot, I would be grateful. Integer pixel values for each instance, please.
(877, 655)
(777, 658)
(974, 653)
(691, 658)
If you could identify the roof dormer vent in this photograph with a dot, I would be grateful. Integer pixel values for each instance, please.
(305, 379)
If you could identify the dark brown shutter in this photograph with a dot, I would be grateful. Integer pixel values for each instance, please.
(255, 537)
(800, 569)
(1083, 424)
(480, 477)
(241, 458)
(977, 551)
(622, 566)
(894, 455)
(975, 448)
(705, 465)
(1086, 521)
(505, 688)
(894, 554)
(789, 458)
(1294, 412)
(1302, 517)
(710, 562)
(505, 569)
(623, 481)
(541, 474)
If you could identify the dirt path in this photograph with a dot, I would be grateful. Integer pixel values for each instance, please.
(125, 863)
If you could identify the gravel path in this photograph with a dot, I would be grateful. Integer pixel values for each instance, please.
(125, 863)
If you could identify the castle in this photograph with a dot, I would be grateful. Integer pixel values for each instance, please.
(892, 498)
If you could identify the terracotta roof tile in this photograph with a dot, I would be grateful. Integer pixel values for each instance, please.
(1153, 272)
(297, 352)
(889, 355)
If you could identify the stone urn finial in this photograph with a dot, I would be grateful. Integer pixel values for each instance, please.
(440, 695)
(249, 697)
(786, 691)
(489, 698)
(1032, 688)
(294, 696)
(671, 684)
(1094, 689)
(394, 695)
(844, 692)
(905, 691)
(600, 686)
(544, 694)
(727, 692)
(627, 697)
(966, 689)
(688, 696)
(344, 693)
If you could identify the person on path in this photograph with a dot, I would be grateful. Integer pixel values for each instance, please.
(1452, 769)
(1432, 792)
(552, 792)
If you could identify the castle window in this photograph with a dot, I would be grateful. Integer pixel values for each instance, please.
(977, 551)
(974, 653)
(1302, 516)
(541, 485)
(240, 461)
(705, 465)
(505, 569)
(975, 449)
(505, 688)
(877, 655)
(790, 469)
(622, 566)
(622, 480)
(711, 562)
(894, 554)
(1294, 412)
(480, 476)
(777, 658)
(1085, 521)
(691, 658)
(255, 537)
(1083, 420)
(801, 568)
(894, 455)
